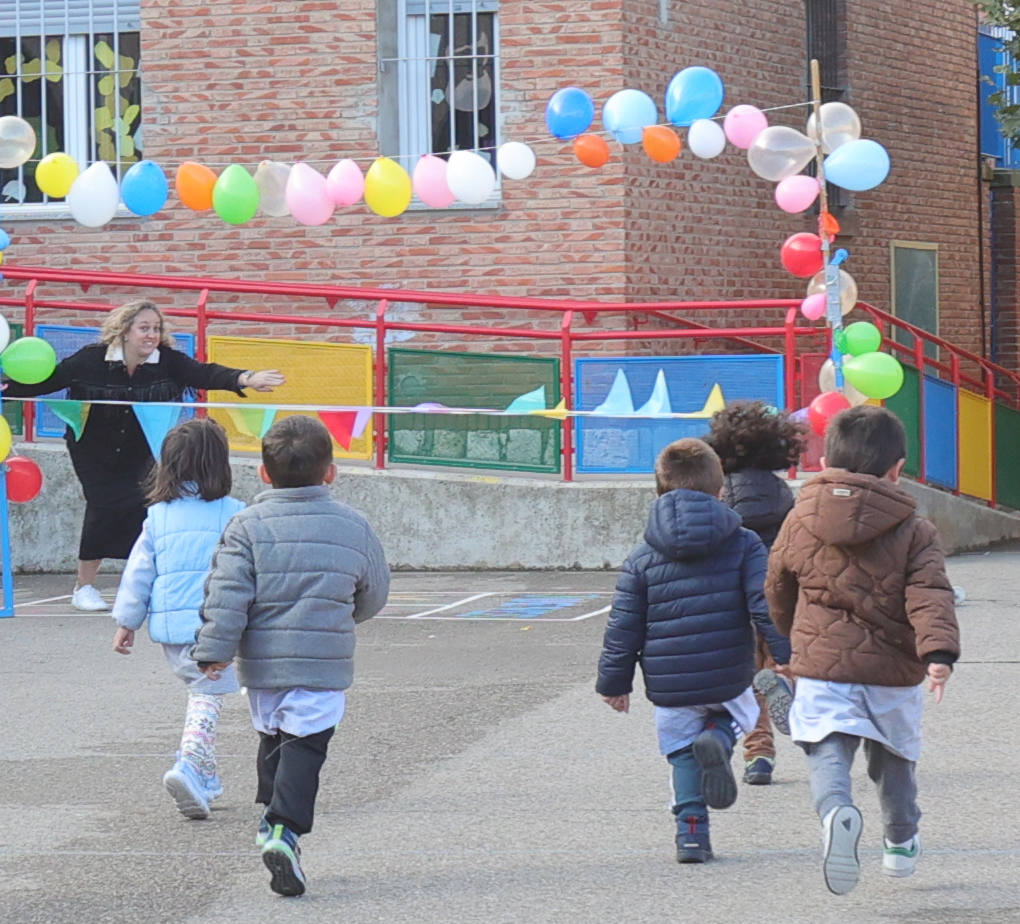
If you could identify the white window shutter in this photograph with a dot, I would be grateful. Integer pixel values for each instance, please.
(68, 17)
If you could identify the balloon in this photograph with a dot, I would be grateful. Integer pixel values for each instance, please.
(28, 360)
(813, 307)
(877, 375)
(345, 183)
(801, 254)
(857, 165)
(306, 196)
(17, 141)
(693, 93)
(847, 289)
(516, 161)
(194, 185)
(5, 240)
(271, 179)
(5, 333)
(627, 113)
(470, 177)
(827, 382)
(5, 439)
(24, 479)
(429, 182)
(796, 193)
(55, 173)
(94, 196)
(859, 337)
(144, 188)
(387, 188)
(823, 408)
(591, 150)
(706, 139)
(779, 152)
(743, 124)
(235, 196)
(840, 124)
(661, 143)
(569, 112)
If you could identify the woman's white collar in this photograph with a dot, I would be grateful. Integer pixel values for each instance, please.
(115, 354)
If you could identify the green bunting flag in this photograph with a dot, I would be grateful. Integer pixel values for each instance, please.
(73, 413)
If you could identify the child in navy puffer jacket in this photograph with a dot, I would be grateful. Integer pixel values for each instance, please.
(754, 441)
(684, 608)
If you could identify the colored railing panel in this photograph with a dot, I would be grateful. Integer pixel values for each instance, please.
(906, 404)
(1007, 456)
(975, 445)
(940, 433)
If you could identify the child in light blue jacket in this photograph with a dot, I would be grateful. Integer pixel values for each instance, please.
(189, 506)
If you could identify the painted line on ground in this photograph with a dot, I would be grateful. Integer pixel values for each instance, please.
(450, 606)
(604, 609)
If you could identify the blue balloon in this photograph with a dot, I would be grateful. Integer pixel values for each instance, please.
(627, 113)
(144, 188)
(693, 93)
(5, 239)
(569, 112)
(857, 165)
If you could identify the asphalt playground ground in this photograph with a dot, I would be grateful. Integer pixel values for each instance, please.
(476, 777)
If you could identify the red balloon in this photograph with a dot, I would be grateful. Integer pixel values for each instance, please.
(824, 407)
(24, 479)
(802, 254)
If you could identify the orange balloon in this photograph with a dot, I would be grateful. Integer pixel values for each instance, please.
(194, 185)
(591, 150)
(661, 143)
(828, 224)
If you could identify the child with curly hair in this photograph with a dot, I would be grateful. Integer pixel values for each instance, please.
(753, 442)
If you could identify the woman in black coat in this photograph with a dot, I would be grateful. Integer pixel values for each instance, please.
(134, 361)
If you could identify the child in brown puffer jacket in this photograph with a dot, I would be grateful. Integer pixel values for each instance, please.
(857, 580)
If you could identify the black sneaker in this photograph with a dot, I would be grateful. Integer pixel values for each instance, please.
(718, 786)
(282, 858)
(692, 844)
(758, 772)
(778, 696)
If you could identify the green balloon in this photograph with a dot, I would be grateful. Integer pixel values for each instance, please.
(29, 360)
(877, 375)
(235, 196)
(859, 337)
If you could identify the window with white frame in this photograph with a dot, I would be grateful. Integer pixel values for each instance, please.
(71, 69)
(439, 66)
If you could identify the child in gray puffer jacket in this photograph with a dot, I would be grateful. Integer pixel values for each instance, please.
(292, 576)
(754, 441)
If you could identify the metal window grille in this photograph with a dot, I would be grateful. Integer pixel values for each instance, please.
(71, 68)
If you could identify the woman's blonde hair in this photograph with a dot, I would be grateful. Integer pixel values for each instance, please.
(119, 321)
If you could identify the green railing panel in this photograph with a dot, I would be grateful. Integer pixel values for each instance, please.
(454, 379)
(906, 404)
(11, 410)
(1007, 456)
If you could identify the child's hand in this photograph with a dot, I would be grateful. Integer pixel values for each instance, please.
(123, 639)
(938, 674)
(213, 671)
(619, 703)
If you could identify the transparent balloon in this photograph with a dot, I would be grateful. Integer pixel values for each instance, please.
(271, 180)
(840, 124)
(780, 151)
(847, 289)
(827, 382)
(17, 141)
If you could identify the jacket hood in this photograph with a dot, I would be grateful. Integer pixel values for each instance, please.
(759, 497)
(689, 524)
(848, 508)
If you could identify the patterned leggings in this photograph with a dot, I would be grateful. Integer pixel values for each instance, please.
(198, 742)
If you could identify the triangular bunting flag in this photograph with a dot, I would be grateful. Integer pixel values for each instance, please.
(557, 413)
(528, 402)
(73, 413)
(619, 401)
(360, 422)
(340, 424)
(252, 421)
(658, 404)
(156, 420)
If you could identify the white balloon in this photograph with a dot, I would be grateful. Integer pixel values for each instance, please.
(470, 177)
(840, 124)
(94, 196)
(706, 138)
(515, 160)
(827, 382)
(780, 151)
(271, 180)
(5, 333)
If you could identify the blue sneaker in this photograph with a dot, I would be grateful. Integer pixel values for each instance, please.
(282, 858)
(758, 772)
(262, 835)
(692, 843)
(718, 786)
(183, 782)
(778, 697)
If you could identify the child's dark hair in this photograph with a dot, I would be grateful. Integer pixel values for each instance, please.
(297, 452)
(194, 451)
(865, 439)
(690, 464)
(750, 434)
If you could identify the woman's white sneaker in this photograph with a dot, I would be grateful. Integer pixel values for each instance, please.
(89, 599)
(901, 859)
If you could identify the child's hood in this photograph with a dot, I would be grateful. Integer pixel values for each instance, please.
(689, 524)
(849, 508)
(761, 498)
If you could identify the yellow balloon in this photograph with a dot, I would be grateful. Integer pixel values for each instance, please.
(5, 439)
(55, 174)
(387, 188)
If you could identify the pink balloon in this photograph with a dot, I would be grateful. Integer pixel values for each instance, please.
(796, 193)
(345, 183)
(306, 196)
(743, 124)
(429, 182)
(813, 307)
